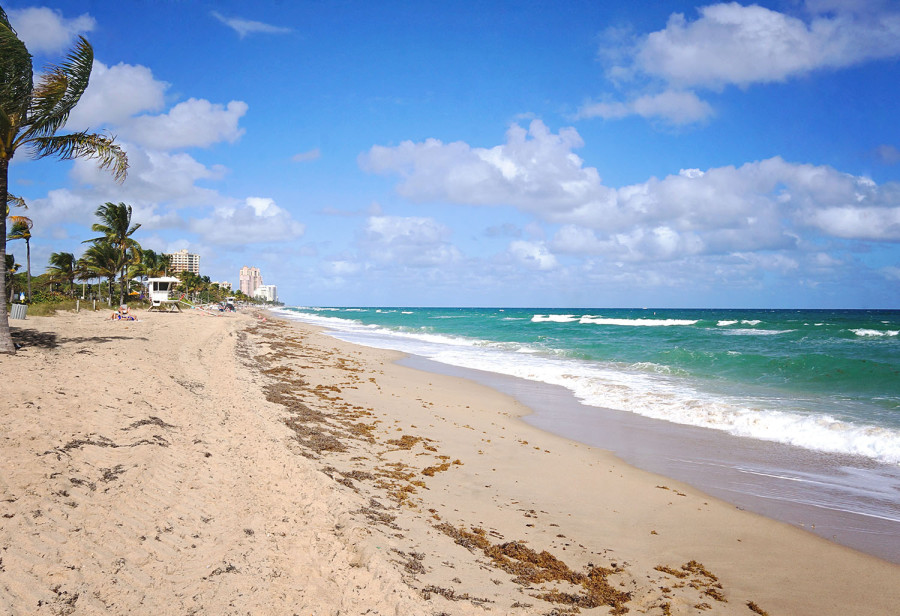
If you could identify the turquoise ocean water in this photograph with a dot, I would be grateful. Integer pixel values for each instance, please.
(824, 380)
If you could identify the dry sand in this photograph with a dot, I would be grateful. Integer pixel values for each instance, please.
(190, 464)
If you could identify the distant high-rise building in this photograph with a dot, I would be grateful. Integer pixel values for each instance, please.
(251, 280)
(267, 292)
(183, 261)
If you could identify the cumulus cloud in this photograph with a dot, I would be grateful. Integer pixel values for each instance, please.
(729, 44)
(409, 241)
(245, 26)
(872, 223)
(115, 94)
(534, 255)
(534, 169)
(675, 107)
(734, 44)
(762, 205)
(45, 30)
(153, 176)
(192, 123)
(258, 219)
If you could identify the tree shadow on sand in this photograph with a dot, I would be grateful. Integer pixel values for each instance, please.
(24, 338)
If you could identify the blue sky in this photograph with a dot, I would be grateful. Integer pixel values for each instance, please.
(584, 154)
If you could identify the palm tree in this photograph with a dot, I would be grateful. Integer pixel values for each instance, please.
(115, 225)
(103, 260)
(63, 269)
(30, 115)
(21, 230)
(12, 267)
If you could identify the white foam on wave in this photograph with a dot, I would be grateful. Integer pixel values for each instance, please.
(588, 319)
(889, 333)
(725, 323)
(637, 322)
(640, 390)
(554, 318)
(757, 332)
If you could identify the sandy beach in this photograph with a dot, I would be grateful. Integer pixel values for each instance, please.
(240, 464)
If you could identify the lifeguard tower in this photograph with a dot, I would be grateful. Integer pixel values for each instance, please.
(161, 294)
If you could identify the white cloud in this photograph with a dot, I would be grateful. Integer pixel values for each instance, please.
(263, 207)
(258, 220)
(763, 205)
(534, 169)
(115, 94)
(534, 255)
(245, 26)
(734, 44)
(153, 177)
(192, 123)
(675, 107)
(45, 30)
(870, 223)
(408, 241)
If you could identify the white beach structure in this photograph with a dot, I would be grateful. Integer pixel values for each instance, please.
(161, 292)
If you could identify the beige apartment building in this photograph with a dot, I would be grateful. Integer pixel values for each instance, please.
(183, 261)
(251, 280)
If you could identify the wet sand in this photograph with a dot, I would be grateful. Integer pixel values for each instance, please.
(850, 500)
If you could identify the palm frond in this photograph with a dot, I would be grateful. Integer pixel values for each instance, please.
(21, 220)
(84, 145)
(60, 89)
(46, 97)
(14, 201)
(15, 86)
(20, 229)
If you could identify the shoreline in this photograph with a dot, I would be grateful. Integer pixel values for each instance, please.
(206, 465)
(772, 479)
(782, 550)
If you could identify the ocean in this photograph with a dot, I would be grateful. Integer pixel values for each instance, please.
(824, 382)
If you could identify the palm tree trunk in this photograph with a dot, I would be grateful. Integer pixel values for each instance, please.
(28, 266)
(6, 343)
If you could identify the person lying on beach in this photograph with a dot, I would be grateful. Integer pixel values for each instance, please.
(122, 314)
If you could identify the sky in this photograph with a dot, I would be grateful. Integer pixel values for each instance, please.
(487, 153)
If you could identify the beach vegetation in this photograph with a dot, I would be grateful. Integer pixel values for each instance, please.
(21, 230)
(32, 113)
(151, 265)
(117, 230)
(63, 270)
(12, 268)
(102, 261)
